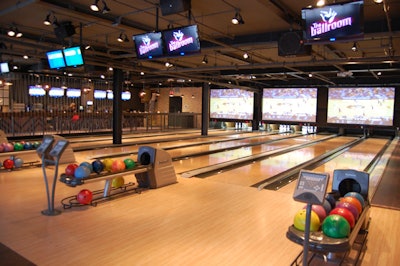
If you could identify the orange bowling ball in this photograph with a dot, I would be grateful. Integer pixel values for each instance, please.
(117, 165)
(353, 201)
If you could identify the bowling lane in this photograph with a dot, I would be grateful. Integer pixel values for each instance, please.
(225, 156)
(253, 173)
(217, 142)
(357, 158)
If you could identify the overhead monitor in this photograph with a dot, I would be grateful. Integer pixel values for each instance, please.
(126, 95)
(341, 21)
(235, 104)
(55, 59)
(56, 92)
(4, 67)
(36, 91)
(182, 41)
(110, 95)
(149, 45)
(290, 104)
(73, 56)
(99, 94)
(73, 93)
(361, 106)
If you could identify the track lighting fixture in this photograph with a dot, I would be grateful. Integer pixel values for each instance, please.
(14, 32)
(378, 1)
(320, 3)
(123, 37)
(47, 21)
(354, 48)
(205, 60)
(245, 55)
(51, 20)
(237, 19)
(95, 7)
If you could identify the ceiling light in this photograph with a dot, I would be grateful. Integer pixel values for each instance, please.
(123, 37)
(94, 6)
(237, 19)
(11, 32)
(354, 48)
(205, 60)
(320, 2)
(18, 33)
(47, 21)
(105, 8)
(26, 57)
(378, 1)
(245, 55)
(379, 73)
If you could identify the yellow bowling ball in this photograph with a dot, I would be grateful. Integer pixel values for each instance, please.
(118, 182)
(299, 221)
(108, 164)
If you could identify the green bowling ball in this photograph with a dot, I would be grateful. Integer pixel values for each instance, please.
(18, 146)
(335, 226)
(129, 163)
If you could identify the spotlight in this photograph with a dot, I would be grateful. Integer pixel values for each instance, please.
(94, 6)
(245, 55)
(18, 33)
(237, 19)
(11, 32)
(320, 2)
(105, 8)
(354, 48)
(47, 20)
(378, 1)
(122, 37)
(205, 60)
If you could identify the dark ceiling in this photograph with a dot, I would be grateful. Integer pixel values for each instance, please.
(376, 61)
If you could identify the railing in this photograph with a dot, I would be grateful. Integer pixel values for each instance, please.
(16, 124)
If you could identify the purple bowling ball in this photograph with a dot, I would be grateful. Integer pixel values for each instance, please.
(350, 207)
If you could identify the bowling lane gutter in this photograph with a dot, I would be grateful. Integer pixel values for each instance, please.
(120, 154)
(210, 170)
(282, 179)
(101, 146)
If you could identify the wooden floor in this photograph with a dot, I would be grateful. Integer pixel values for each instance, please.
(193, 222)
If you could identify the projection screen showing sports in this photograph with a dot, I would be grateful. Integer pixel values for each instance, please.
(290, 104)
(234, 104)
(361, 106)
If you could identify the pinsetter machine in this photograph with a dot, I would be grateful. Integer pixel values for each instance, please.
(319, 248)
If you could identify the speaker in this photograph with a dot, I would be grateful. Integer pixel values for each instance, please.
(291, 44)
(169, 7)
(348, 180)
(66, 29)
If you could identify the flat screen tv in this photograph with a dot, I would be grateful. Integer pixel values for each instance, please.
(361, 106)
(73, 56)
(236, 104)
(110, 95)
(99, 94)
(342, 21)
(36, 91)
(125, 95)
(55, 59)
(182, 41)
(73, 93)
(290, 104)
(56, 92)
(149, 45)
(4, 67)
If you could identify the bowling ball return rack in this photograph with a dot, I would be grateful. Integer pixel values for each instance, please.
(108, 192)
(322, 249)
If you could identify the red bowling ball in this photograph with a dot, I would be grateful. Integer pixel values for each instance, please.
(85, 196)
(8, 164)
(345, 213)
(70, 169)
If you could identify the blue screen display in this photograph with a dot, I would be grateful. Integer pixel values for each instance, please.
(55, 59)
(73, 56)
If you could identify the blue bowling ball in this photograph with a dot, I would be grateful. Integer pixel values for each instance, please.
(97, 166)
(82, 172)
(28, 145)
(88, 165)
(356, 195)
(18, 162)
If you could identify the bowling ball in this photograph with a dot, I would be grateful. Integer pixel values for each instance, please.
(330, 197)
(299, 221)
(350, 207)
(8, 164)
(70, 169)
(75, 118)
(358, 196)
(18, 162)
(88, 165)
(85, 196)
(319, 210)
(82, 172)
(327, 206)
(346, 214)
(118, 182)
(107, 164)
(129, 163)
(1, 148)
(28, 146)
(354, 201)
(36, 144)
(117, 166)
(336, 226)
(97, 166)
(18, 146)
(8, 147)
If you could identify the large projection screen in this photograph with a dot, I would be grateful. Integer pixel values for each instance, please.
(290, 104)
(236, 104)
(361, 106)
